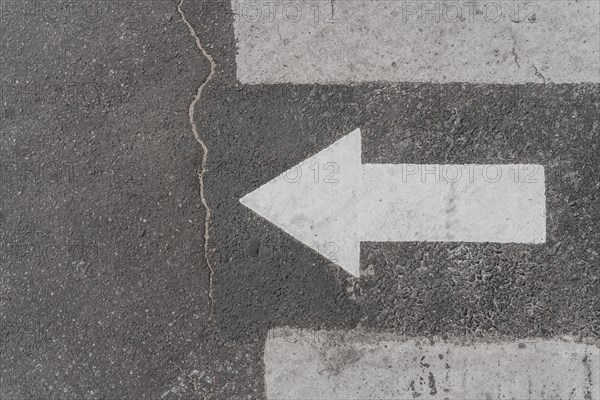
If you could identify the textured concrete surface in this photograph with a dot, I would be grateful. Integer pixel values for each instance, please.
(417, 41)
(106, 288)
(309, 364)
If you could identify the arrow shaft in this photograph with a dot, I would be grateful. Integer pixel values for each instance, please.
(453, 203)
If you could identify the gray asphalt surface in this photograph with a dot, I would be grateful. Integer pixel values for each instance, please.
(105, 289)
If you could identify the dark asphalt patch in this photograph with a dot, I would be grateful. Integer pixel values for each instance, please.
(416, 288)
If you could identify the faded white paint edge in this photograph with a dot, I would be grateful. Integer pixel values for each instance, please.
(306, 364)
(441, 41)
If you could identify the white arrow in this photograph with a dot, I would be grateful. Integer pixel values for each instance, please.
(331, 202)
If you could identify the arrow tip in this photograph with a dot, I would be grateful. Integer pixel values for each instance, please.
(316, 202)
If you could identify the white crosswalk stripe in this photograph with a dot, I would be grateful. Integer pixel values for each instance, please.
(415, 41)
(307, 364)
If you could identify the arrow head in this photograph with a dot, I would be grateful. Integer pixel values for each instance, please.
(316, 202)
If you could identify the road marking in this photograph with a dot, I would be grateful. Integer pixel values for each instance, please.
(305, 364)
(477, 41)
(331, 202)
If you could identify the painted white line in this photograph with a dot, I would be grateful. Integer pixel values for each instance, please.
(480, 41)
(331, 202)
(335, 365)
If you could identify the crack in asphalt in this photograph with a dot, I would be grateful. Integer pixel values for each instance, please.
(202, 168)
(538, 74)
(514, 52)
